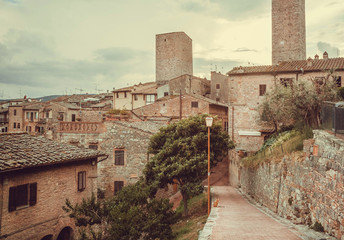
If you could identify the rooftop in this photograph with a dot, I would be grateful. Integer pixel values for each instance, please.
(309, 65)
(21, 150)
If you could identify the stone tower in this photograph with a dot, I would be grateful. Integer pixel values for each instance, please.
(173, 56)
(288, 30)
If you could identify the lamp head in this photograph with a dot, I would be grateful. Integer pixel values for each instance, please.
(209, 121)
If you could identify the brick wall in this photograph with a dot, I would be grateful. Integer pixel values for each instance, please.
(54, 185)
(302, 187)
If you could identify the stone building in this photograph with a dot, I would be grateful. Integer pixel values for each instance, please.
(125, 142)
(173, 56)
(288, 30)
(243, 88)
(37, 175)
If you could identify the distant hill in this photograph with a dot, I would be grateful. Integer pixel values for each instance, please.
(42, 99)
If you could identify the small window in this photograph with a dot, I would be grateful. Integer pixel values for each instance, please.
(27, 115)
(93, 146)
(22, 196)
(118, 186)
(47, 115)
(194, 104)
(286, 81)
(150, 99)
(338, 81)
(135, 97)
(125, 94)
(119, 157)
(15, 112)
(117, 95)
(81, 181)
(36, 115)
(73, 117)
(262, 89)
(165, 94)
(18, 125)
(14, 125)
(217, 86)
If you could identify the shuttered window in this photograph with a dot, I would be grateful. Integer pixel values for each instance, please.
(81, 181)
(118, 186)
(194, 104)
(262, 89)
(119, 157)
(21, 196)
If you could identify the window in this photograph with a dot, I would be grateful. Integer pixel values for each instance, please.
(118, 186)
(217, 86)
(15, 112)
(73, 117)
(36, 115)
(286, 81)
(165, 94)
(150, 99)
(93, 146)
(27, 115)
(262, 89)
(14, 125)
(60, 117)
(135, 97)
(117, 95)
(119, 157)
(125, 94)
(22, 196)
(47, 115)
(194, 104)
(338, 81)
(81, 181)
(18, 125)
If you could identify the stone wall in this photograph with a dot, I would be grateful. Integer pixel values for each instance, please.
(302, 187)
(173, 56)
(288, 30)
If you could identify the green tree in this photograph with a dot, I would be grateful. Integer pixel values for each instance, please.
(181, 155)
(130, 214)
(299, 102)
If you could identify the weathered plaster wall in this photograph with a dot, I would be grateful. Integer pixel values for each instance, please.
(304, 187)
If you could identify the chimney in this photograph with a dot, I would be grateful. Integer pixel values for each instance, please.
(325, 56)
(316, 57)
(309, 62)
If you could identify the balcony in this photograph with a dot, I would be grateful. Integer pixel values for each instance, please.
(81, 127)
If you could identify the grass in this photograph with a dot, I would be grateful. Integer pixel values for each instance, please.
(285, 143)
(188, 227)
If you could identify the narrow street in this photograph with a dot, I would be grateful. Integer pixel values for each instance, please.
(235, 218)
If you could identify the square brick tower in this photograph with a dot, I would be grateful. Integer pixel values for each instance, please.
(173, 56)
(288, 30)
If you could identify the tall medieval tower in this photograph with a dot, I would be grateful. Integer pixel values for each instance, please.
(173, 56)
(288, 30)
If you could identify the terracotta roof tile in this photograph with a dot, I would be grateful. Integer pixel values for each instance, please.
(292, 66)
(21, 150)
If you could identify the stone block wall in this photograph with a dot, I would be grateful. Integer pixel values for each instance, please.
(303, 187)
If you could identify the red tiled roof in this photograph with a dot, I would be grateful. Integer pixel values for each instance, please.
(311, 65)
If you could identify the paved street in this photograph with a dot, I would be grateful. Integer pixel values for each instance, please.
(235, 218)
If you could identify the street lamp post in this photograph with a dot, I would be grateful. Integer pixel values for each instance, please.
(209, 123)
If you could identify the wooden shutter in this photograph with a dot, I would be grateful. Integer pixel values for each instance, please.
(12, 199)
(262, 90)
(81, 180)
(119, 157)
(33, 194)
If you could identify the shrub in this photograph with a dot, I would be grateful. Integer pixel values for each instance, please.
(341, 92)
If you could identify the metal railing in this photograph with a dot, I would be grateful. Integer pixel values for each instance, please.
(332, 116)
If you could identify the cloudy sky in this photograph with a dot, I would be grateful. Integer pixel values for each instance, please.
(62, 46)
